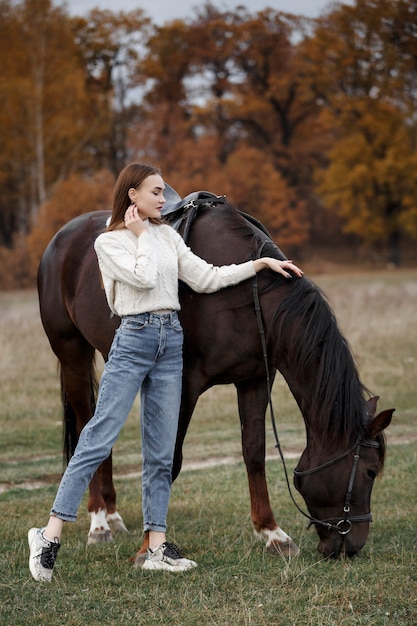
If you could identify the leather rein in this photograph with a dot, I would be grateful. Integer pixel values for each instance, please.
(342, 524)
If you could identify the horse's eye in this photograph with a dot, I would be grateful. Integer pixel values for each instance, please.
(371, 474)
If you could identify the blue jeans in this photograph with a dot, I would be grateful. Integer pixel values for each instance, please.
(146, 354)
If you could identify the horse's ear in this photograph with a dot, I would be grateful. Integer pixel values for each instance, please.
(379, 423)
(371, 406)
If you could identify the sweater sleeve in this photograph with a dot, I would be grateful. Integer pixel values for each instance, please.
(204, 277)
(135, 264)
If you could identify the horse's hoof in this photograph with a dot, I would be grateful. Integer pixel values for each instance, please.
(139, 559)
(99, 536)
(116, 523)
(283, 548)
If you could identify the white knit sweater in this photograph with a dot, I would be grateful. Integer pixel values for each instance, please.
(140, 274)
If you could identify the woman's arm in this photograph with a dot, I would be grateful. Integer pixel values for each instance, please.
(204, 277)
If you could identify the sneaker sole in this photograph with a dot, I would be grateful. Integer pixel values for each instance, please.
(164, 566)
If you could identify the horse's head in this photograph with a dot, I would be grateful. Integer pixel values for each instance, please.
(337, 487)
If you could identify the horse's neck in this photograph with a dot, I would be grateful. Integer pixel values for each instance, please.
(302, 389)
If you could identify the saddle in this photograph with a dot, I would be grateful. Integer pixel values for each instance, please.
(176, 210)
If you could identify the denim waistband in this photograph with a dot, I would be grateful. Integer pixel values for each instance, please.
(149, 317)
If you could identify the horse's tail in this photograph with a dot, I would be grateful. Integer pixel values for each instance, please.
(71, 434)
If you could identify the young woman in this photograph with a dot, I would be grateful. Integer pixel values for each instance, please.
(141, 260)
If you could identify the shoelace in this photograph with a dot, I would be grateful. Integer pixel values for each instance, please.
(173, 550)
(49, 554)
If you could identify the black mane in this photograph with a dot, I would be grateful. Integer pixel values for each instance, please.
(306, 325)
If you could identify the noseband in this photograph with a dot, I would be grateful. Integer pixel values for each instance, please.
(343, 524)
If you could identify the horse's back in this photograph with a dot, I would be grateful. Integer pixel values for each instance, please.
(70, 295)
(68, 248)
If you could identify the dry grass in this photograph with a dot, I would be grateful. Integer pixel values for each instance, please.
(377, 313)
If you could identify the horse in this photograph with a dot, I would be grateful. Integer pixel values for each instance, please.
(242, 335)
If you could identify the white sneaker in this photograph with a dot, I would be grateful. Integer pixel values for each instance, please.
(43, 555)
(167, 557)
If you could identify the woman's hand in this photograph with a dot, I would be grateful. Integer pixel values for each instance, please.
(134, 222)
(277, 266)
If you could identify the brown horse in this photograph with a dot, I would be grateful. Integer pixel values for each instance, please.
(240, 335)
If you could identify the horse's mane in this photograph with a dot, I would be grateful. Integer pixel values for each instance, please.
(306, 325)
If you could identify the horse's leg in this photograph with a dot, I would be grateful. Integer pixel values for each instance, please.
(108, 492)
(253, 401)
(77, 371)
(190, 394)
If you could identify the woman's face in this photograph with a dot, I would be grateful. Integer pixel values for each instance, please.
(149, 197)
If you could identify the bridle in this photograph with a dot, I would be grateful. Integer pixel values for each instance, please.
(342, 524)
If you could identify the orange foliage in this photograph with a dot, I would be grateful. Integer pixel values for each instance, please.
(71, 197)
(251, 184)
(283, 115)
(257, 188)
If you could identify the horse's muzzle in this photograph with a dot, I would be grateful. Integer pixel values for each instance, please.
(334, 545)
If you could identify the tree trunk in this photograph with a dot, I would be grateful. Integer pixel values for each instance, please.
(394, 252)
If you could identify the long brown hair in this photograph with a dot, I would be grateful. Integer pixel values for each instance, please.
(132, 175)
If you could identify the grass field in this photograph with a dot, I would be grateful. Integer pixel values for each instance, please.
(236, 582)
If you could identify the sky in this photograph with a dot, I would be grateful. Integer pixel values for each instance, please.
(161, 11)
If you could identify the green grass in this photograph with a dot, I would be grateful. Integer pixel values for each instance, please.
(236, 582)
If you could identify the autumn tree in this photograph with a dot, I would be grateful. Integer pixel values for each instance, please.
(306, 124)
(258, 188)
(71, 197)
(65, 90)
(214, 93)
(41, 117)
(213, 75)
(164, 129)
(362, 59)
(276, 112)
(109, 46)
